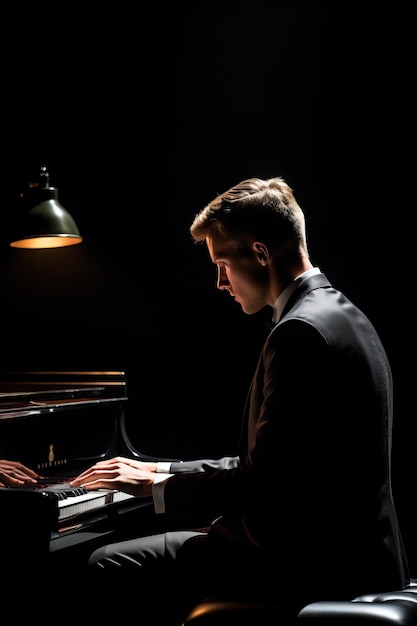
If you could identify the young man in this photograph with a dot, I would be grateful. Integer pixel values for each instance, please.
(306, 510)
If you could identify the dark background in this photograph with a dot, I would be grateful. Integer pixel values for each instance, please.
(142, 117)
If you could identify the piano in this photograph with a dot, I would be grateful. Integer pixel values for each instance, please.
(60, 423)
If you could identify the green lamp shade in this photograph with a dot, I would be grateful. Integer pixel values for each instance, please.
(45, 223)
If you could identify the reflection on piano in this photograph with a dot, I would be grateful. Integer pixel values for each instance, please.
(60, 423)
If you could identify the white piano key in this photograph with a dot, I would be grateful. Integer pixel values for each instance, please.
(73, 505)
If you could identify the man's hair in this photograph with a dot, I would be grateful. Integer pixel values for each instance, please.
(257, 210)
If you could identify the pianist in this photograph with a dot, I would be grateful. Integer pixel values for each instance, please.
(15, 474)
(306, 511)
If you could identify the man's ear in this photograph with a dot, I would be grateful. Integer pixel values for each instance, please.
(262, 252)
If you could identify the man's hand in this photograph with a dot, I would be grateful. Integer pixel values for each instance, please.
(128, 475)
(14, 474)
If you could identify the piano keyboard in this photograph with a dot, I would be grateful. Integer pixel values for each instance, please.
(74, 505)
(74, 501)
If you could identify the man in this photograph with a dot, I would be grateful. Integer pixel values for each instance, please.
(306, 510)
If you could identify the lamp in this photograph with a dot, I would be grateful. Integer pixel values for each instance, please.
(44, 223)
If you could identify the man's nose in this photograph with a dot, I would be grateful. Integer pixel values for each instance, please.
(222, 280)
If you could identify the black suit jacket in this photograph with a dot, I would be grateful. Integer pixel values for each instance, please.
(311, 489)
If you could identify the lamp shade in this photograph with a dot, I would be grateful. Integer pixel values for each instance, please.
(43, 222)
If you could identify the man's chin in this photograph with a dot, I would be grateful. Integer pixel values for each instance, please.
(248, 311)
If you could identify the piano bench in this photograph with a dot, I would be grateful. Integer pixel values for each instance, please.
(395, 608)
(391, 608)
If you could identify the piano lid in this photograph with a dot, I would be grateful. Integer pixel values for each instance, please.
(111, 383)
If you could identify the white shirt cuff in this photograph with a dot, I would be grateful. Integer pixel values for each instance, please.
(163, 467)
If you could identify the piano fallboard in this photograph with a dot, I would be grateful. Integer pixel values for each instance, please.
(62, 437)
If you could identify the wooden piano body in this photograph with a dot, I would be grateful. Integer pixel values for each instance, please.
(60, 423)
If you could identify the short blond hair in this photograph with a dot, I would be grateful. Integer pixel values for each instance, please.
(257, 209)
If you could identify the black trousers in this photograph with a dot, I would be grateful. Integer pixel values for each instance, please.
(158, 579)
(154, 580)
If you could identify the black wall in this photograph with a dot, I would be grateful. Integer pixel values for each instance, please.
(141, 119)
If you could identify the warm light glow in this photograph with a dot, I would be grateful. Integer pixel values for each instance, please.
(53, 241)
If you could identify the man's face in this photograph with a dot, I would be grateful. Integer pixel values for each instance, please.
(245, 277)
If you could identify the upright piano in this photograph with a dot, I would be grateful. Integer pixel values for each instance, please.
(60, 423)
